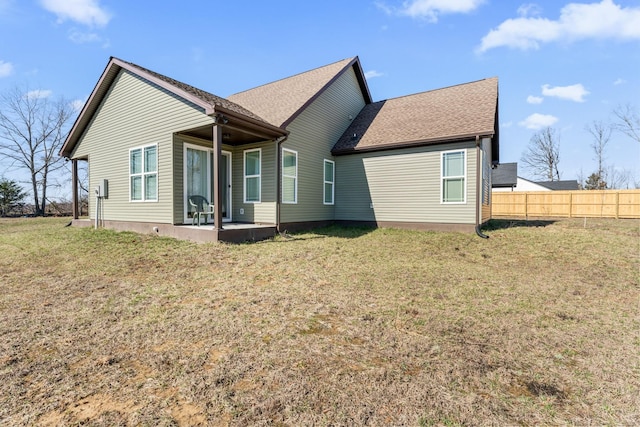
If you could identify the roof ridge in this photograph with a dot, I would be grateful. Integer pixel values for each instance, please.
(165, 77)
(294, 75)
(438, 89)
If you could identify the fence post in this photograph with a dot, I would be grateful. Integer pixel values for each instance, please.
(617, 204)
(570, 203)
(526, 206)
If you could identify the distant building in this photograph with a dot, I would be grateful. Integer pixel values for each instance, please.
(504, 177)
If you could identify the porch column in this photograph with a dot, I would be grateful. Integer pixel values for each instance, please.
(217, 191)
(74, 189)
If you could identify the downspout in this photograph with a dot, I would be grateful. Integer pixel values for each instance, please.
(279, 142)
(479, 189)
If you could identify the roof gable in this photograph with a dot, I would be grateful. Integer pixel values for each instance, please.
(208, 102)
(441, 115)
(280, 102)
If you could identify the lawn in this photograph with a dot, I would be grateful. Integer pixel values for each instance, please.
(537, 325)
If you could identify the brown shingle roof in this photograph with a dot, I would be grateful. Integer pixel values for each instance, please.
(209, 102)
(436, 116)
(206, 97)
(281, 101)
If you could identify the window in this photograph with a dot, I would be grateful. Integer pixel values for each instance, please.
(453, 177)
(329, 180)
(252, 184)
(289, 176)
(143, 174)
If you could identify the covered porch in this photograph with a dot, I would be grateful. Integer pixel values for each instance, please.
(234, 165)
(229, 132)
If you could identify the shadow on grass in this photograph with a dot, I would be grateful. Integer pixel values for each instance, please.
(501, 224)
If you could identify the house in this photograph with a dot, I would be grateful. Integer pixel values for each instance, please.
(304, 151)
(563, 185)
(504, 177)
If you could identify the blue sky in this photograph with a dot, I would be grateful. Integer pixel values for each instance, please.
(563, 64)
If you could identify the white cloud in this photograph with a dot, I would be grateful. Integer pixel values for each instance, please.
(383, 7)
(77, 104)
(575, 92)
(538, 121)
(529, 9)
(80, 37)
(87, 12)
(604, 20)
(431, 9)
(534, 99)
(6, 69)
(38, 93)
(506, 124)
(373, 73)
(619, 81)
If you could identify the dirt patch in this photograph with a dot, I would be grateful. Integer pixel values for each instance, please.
(98, 407)
(187, 414)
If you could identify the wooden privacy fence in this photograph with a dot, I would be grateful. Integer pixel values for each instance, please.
(568, 204)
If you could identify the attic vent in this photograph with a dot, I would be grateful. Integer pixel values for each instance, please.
(354, 136)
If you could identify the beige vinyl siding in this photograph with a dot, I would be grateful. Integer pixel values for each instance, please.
(265, 211)
(135, 113)
(401, 186)
(313, 134)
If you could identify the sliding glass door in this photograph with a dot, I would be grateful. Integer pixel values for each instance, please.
(198, 179)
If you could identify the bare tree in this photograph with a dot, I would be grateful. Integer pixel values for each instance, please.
(601, 136)
(32, 131)
(582, 181)
(543, 154)
(628, 121)
(617, 178)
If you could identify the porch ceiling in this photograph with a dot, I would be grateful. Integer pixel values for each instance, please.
(237, 130)
(229, 136)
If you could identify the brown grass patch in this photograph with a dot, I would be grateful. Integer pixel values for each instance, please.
(537, 325)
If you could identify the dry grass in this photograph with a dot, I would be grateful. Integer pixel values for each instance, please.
(537, 325)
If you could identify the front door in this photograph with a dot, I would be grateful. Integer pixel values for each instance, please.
(198, 179)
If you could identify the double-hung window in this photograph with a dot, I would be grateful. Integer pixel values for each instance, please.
(329, 182)
(252, 175)
(143, 174)
(453, 177)
(289, 176)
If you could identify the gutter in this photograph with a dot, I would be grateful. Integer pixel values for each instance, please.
(479, 189)
(279, 142)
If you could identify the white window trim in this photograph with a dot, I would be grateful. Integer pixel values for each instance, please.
(143, 174)
(209, 151)
(186, 146)
(463, 176)
(295, 177)
(244, 174)
(332, 182)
